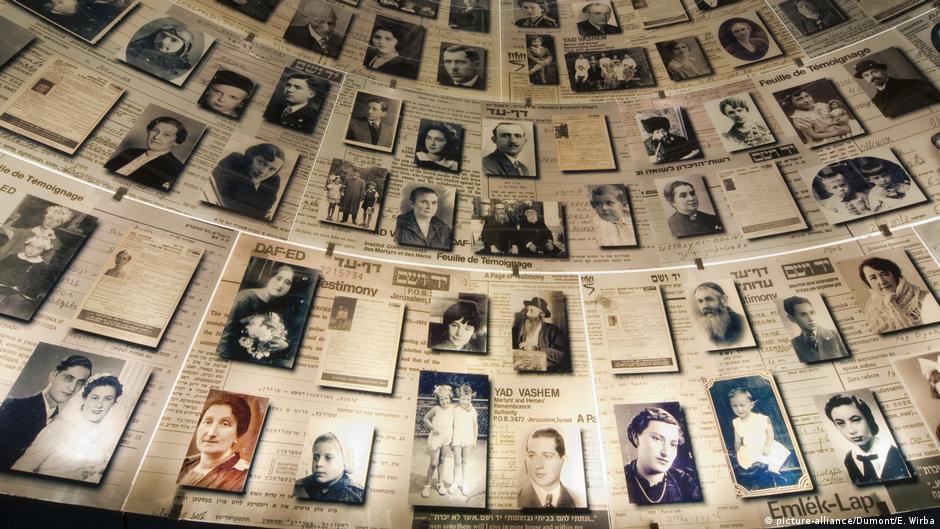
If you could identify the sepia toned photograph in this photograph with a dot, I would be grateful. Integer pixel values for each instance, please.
(422, 8)
(250, 177)
(373, 123)
(857, 428)
(426, 216)
(297, 101)
(268, 319)
(13, 39)
(354, 195)
(612, 221)
(511, 149)
(707, 5)
(518, 227)
(718, 316)
(809, 17)
(636, 330)
(758, 439)
(156, 149)
(167, 49)
(540, 332)
(257, 9)
(462, 66)
(684, 58)
(470, 15)
(550, 467)
(883, 10)
(536, 13)
(667, 135)
(659, 466)
(893, 83)
(818, 113)
(862, 186)
(659, 13)
(334, 461)
(541, 59)
(458, 323)
(760, 200)
(224, 442)
(582, 142)
(395, 47)
(38, 240)
(320, 27)
(88, 20)
(618, 69)
(439, 146)
(889, 291)
(813, 334)
(227, 93)
(920, 375)
(451, 441)
(688, 206)
(596, 19)
(746, 40)
(739, 122)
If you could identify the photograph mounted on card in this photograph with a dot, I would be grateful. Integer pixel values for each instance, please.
(659, 13)
(718, 315)
(596, 19)
(668, 135)
(889, 291)
(818, 113)
(541, 59)
(67, 411)
(250, 177)
(38, 240)
(334, 461)
(739, 122)
(582, 142)
(227, 93)
(684, 58)
(920, 375)
(745, 39)
(511, 149)
(536, 14)
(13, 39)
(257, 9)
(760, 201)
(619, 69)
(809, 17)
(60, 105)
(354, 191)
(395, 47)
(89, 21)
(319, 26)
(636, 330)
(613, 218)
(224, 443)
(689, 209)
(863, 186)
(426, 218)
(373, 122)
(814, 335)
(462, 66)
(550, 458)
(540, 331)
(166, 48)
(524, 228)
(458, 323)
(894, 85)
(470, 15)
(297, 101)
(439, 146)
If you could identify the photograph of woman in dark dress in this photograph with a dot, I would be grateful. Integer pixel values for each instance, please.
(155, 164)
(744, 39)
(439, 146)
(395, 48)
(249, 183)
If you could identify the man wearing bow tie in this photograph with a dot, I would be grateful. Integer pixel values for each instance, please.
(372, 128)
(318, 32)
(814, 343)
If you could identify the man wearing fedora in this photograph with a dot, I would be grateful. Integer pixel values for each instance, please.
(531, 332)
(894, 96)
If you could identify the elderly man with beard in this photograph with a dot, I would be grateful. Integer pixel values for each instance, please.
(893, 96)
(499, 232)
(532, 333)
(723, 326)
(534, 238)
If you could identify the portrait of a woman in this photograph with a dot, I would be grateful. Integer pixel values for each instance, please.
(439, 146)
(687, 218)
(24, 277)
(895, 303)
(120, 261)
(225, 419)
(681, 63)
(387, 47)
(462, 328)
(747, 42)
(166, 48)
(873, 456)
(155, 165)
(653, 476)
(249, 183)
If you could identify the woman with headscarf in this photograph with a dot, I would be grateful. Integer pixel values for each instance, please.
(224, 420)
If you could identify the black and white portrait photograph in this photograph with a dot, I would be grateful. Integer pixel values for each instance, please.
(618, 69)
(439, 146)
(373, 122)
(268, 317)
(297, 100)
(718, 315)
(156, 149)
(227, 93)
(395, 47)
(739, 122)
(889, 291)
(88, 20)
(819, 113)
(451, 433)
(37, 242)
(688, 206)
(813, 335)
(250, 177)
(758, 439)
(745, 39)
(659, 466)
(863, 186)
(920, 374)
(541, 59)
(612, 220)
(458, 323)
(540, 331)
(167, 48)
(893, 83)
(319, 26)
(668, 135)
(224, 442)
(462, 66)
(13, 39)
(595, 19)
(550, 467)
(860, 434)
(334, 461)
(510, 150)
(256, 9)
(536, 13)
(422, 8)
(518, 227)
(342, 313)
(470, 15)
(809, 17)
(354, 195)
(684, 58)
(426, 216)
(67, 411)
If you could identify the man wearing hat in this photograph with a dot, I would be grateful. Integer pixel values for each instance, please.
(318, 32)
(298, 107)
(531, 332)
(893, 96)
(889, 191)
(663, 146)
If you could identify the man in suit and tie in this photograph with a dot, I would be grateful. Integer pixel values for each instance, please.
(595, 25)
(298, 108)
(814, 343)
(21, 419)
(462, 66)
(509, 139)
(372, 128)
(544, 459)
(313, 28)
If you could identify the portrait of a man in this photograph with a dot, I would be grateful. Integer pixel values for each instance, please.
(545, 455)
(297, 101)
(817, 340)
(547, 342)
(719, 319)
(318, 26)
(812, 16)
(596, 18)
(509, 141)
(893, 84)
(470, 15)
(462, 66)
(374, 122)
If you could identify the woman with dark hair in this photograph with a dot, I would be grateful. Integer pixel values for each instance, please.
(248, 183)
(872, 459)
(165, 52)
(651, 476)
(741, 44)
(77, 446)
(461, 323)
(224, 420)
(895, 303)
(154, 166)
(384, 50)
(688, 220)
(437, 148)
(120, 260)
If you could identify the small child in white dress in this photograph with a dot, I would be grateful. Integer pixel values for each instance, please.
(440, 420)
(465, 436)
(754, 445)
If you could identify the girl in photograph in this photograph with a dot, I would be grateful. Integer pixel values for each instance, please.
(164, 52)
(249, 182)
(334, 192)
(331, 476)
(437, 148)
(872, 458)
(224, 420)
(440, 421)
(465, 437)
(384, 51)
(462, 321)
(894, 303)
(753, 440)
(15, 238)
